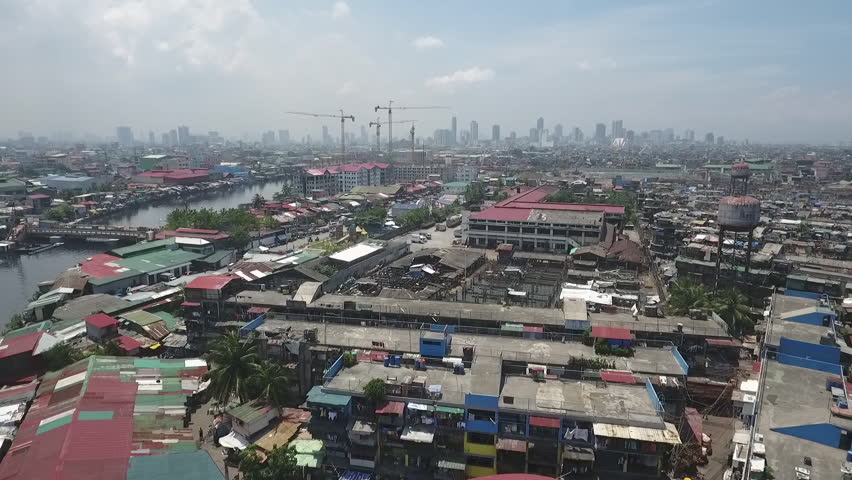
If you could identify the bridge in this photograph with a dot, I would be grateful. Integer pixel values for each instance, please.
(89, 231)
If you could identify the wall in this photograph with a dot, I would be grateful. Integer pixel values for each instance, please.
(390, 253)
(822, 358)
(801, 294)
(679, 358)
(653, 394)
(814, 318)
(334, 368)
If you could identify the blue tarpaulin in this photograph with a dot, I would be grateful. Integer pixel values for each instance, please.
(352, 475)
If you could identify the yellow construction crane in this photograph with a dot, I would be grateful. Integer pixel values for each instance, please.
(390, 108)
(343, 117)
(378, 124)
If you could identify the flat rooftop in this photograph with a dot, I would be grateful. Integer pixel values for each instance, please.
(459, 310)
(796, 396)
(656, 361)
(642, 323)
(598, 401)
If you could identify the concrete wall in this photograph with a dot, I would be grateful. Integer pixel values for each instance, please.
(822, 358)
(814, 318)
(390, 253)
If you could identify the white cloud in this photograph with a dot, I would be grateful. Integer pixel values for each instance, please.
(340, 10)
(461, 78)
(428, 42)
(347, 88)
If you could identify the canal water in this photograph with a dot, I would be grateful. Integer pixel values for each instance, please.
(20, 275)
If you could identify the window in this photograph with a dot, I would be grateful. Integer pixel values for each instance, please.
(480, 438)
(477, 461)
(432, 342)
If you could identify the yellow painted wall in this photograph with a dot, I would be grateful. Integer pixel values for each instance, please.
(473, 472)
(479, 449)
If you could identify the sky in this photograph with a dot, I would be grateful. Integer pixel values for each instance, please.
(771, 71)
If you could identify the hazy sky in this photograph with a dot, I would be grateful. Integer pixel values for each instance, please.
(764, 70)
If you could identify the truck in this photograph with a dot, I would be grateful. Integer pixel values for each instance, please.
(416, 238)
(454, 221)
(441, 227)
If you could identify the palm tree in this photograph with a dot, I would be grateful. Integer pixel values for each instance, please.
(687, 295)
(234, 362)
(258, 201)
(732, 306)
(285, 193)
(269, 383)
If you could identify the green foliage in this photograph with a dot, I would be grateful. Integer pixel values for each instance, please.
(60, 213)
(349, 359)
(687, 295)
(374, 216)
(258, 201)
(269, 223)
(238, 223)
(604, 348)
(16, 321)
(474, 193)
(583, 363)
(269, 383)
(374, 391)
(732, 306)
(62, 355)
(285, 193)
(280, 464)
(327, 269)
(110, 349)
(234, 362)
(415, 217)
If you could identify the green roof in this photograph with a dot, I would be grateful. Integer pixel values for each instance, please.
(456, 184)
(454, 410)
(96, 415)
(249, 412)
(171, 320)
(158, 260)
(113, 278)
(368, 189)
(141, 317)
(141, 247)
(317, 396)
(195, 465)
(32, 328)
(216, 256)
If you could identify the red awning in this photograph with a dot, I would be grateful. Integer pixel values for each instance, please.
(391, 408)
(612, 333)
(511, 445)
(534, 329)
(755, 367)
(258, 310)
(378, 356)
(544, 422)
(190, 304)
(724, 342)
(617, 376)
(696, 424)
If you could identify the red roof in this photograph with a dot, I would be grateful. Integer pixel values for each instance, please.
(612, 333)
(503, 214)
(38, 196)
(258, 310)
(391, 408)
(544, 422)
(696, 424)
(518, 207)
(97, 266)
(128, 344)
(534, 329)
(211, 282)
(100, 320)
(190, 304)
(724, 342)
(617, 376)
(25, 343)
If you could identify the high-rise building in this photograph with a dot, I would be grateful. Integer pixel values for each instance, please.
(689, 135)
(124, 135)
(668, 134)
(539, 124)
(326, 139)
(166, 139)
(630, 135)
(534, 135)
(173, 138)
(268, 138)
(183, 135)
(495, 133)
(557, 134)
(284, 137)
(577, 135)
(709, 139)
(364, 139)
(617, 129)
(474, 132)
(454, 132)
(600, 133)
(213, 137)
(151, 138)
(720, 140)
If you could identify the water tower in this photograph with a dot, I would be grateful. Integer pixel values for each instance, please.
(740, 175)
(738, 216)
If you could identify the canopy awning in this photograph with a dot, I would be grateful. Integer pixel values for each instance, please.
(511, 445)
(391, 408)
(451, 465)
(453, 410)
(353, 475)
(234, 440)
(570, 452)
(418, 434)
(420, 407)
(545, 422)
(668, 435)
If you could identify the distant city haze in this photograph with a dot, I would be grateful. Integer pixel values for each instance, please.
(770, 72)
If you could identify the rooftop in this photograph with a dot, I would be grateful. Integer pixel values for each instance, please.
(211, 282)
(141, 247)
(159, 260)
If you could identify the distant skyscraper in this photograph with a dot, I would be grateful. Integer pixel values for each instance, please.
(534, 135)
(151, 138)
(630, 135)
(124, 135)
(495, 133)
(165, 137)
(284, 137)
(326, 139)
(364, 139)
(600, 133)
(183, 135)
(617, 129)
(557, 133)
(709, 139)
(720, 140)
(454, 132)
(689, 135)
(539, 124)
(668, 135)
(173, 138)
(474, 132)
(576, 135)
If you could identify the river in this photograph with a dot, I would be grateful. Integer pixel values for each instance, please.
(20, 275)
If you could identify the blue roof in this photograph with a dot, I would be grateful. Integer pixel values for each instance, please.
(317, 396)
(195, 465)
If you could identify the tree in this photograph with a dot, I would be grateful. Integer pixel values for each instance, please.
(374, 216)
(374, 391)
(687, 295)
(258, 201)
(474, 193)
(415, 217)
(285, 193)
(234, 362)
(269, 383)
(62, 355)
(16, 321)
(280, 464)
(269, 223)
(732, 306)
(110, 349)
(60, 213)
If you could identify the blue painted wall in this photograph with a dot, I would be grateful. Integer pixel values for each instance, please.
(801, 294)
(484, 402)
(814, 318)
(334, 368)
(822, 433)
(252, 325)
(808, 363)
(431, 347)
(483, 426)
(653, 394)
(577, 324)
(811, 351)
(679, 358)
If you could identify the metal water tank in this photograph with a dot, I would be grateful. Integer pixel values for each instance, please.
(739, 213)
(740, 170)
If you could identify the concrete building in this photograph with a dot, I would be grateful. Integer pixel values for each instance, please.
(183, 135)
(69, 182)
(320, 182)
(474, 132)
(530, 224)
(124, 136)
(173, 177)
(495, 133)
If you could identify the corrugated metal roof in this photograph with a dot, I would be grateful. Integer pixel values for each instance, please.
(249, 412)
(614, 333)
(668, 435)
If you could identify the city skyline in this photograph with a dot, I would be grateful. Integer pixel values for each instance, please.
(218, 65)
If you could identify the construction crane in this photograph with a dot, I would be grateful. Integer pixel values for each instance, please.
(343, 117)
(390, 108)
(378, 124)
